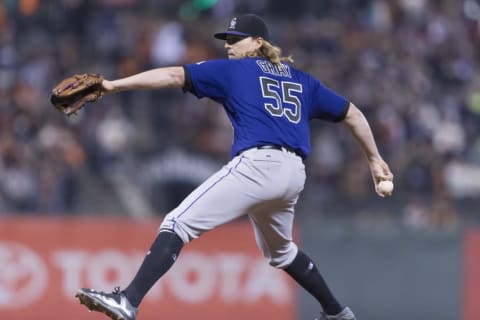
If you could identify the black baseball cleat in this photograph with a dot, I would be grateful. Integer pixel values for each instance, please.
(115, 304)
(346, 314)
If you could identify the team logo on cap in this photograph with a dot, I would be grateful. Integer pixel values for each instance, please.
(233, 23)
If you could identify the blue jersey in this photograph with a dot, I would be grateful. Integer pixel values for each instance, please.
(266, 103)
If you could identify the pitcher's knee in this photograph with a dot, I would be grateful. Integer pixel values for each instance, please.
(283, 258)
(179, 228)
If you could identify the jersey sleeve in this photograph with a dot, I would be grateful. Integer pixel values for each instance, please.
(208, 79)
(327, 104)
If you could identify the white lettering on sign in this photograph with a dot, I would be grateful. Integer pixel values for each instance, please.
(231, 267)
(105, 269)
(197, 277)
(193, 279)
(264, 283)
(71, 264)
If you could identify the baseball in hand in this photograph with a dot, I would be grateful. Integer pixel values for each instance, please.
(385, 186)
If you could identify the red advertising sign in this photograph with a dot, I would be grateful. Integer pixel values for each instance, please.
(471, 281)
(222, 275)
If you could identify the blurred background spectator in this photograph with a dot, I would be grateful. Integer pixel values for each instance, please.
(410, 65)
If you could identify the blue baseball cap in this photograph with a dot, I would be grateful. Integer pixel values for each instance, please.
(248, 25)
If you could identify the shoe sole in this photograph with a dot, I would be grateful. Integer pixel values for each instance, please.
(94, 305)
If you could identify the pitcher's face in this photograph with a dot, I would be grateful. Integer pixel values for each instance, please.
(237, 46)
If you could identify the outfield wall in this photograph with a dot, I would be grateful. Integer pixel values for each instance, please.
(221, 276)
(384, 272)
(392, 273)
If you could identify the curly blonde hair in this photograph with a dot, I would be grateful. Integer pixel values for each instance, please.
(271, 52)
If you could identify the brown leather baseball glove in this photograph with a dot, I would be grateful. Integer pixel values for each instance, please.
(72, 93)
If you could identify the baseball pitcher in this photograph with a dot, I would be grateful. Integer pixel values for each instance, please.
(270, 104)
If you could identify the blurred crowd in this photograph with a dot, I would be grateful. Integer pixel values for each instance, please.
(410, 65)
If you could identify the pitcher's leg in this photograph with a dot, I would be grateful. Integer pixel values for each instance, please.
(273, 233)
(202, 210)
(304, 271)
(161, 256)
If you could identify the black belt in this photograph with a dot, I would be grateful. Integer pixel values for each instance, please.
(278, 147)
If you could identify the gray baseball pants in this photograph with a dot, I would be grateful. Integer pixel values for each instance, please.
(262, 183)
